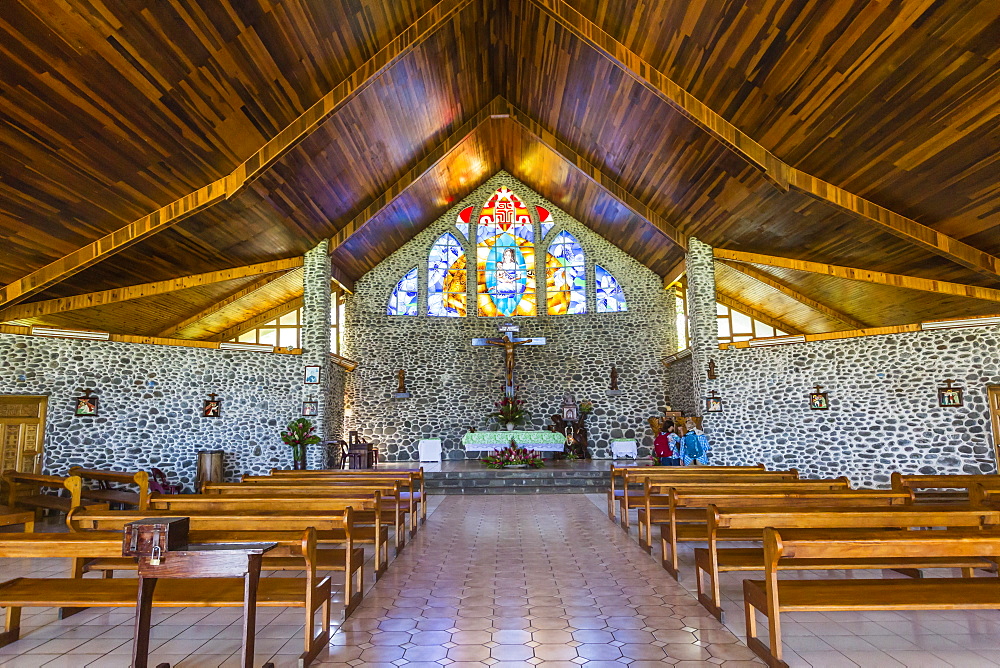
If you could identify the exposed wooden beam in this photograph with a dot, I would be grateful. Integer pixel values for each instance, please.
(784, 288)
(592, 172)
(425, 164)
(229, 185)
(675, 273)
(258, 320)
(221, 304)
(864, 275)
(103, 297)
(734, 302)
(775, 170)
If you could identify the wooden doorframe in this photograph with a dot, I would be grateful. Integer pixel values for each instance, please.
(38, 420)
(993, 401)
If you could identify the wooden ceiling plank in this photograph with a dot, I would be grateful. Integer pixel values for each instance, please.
(254, 287)
(775, 170)
(758, 275)
(864, 275)
(766, 318)
(595, 174)
(257, 320)
(103, 297)
(229, 185)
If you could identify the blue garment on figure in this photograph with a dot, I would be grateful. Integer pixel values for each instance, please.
(695, 447)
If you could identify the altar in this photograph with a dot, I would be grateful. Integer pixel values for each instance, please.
(542, 441)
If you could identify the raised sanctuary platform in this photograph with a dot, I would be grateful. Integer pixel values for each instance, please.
(471, 477)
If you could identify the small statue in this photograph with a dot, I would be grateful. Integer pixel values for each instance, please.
(711, 370)
(401, 386)
(614, 377)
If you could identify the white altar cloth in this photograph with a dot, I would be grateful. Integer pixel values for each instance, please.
(430, 449)
(624, 448)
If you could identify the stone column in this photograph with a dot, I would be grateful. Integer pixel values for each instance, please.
(702, 316)
(316, 344)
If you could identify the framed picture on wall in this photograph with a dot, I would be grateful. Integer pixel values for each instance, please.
(212, 407)
(310, 408)
(713, 403)
(86, 406)
(311, 375)
(950, 396)
(818, 400)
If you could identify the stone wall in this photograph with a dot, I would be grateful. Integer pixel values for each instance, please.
(151, 402)
(454, 384)
(883, 415)
(680, 392)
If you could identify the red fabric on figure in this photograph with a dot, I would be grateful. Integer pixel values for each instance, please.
(661, 445)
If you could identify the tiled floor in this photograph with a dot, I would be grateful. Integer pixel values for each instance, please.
(514, 580)
(885, 639)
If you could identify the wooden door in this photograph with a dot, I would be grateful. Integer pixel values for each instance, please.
(22, 433)
(994, 398)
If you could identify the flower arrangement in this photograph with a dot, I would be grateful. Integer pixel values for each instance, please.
(508, 410)
(513, 456)
(586, 407)
(299, 433)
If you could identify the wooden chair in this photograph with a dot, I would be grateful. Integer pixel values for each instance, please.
(109, 494)
(25, 491)
(159, 483)
(772, 596)
(712, 561)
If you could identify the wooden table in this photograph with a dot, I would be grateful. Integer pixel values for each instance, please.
(201, 561)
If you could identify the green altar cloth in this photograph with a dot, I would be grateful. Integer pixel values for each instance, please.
(547, 441)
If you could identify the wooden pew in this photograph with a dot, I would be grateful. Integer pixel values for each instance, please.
(25, 491)
(310, 593)
(391, 494)
(772, 596)
(682, 529)
(409, 491)
(615, 492)
(140, 479)
(9, 516)
(329, 524)
(946, 488)
(416, 474)
(712, 561)
(635, 498)
(366, 512)
(656, 497)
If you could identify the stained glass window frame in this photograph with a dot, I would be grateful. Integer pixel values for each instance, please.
(447, 275)
(571, 299)
(411, 305)
(606, 291)
(505, 257)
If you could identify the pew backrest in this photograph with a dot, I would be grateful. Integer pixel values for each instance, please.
(18, 483)
(138, 478)
(703, 498)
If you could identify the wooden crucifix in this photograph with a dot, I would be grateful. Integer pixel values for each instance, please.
(509, 344)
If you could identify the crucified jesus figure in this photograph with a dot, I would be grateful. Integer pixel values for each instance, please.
(508, 347)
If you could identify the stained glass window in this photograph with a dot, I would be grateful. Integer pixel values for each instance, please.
(403, 300)
(545, 218)
(565, 276)
(505, 257)
(446, 278)
(462, 221)
(610, 297)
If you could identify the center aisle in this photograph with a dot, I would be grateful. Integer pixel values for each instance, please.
(520, 580)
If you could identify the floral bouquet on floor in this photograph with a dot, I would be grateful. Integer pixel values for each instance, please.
(513, 456)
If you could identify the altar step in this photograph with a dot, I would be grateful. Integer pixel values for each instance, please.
(517, 481)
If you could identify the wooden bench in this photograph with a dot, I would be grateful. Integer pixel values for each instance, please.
(390, 497)
(942, 488)
(109, 494)
(330, 525)
(656, 498)
(367, 511)
(686, 529)
(617, 472)
(410, 487)
(9, 517)
(416, 474)
(310, 593)
(633, 493)
(25, 491)
(712, 561)
(772, 596)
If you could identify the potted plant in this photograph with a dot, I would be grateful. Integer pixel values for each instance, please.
(299, 433)
(513, 457)
(509, 411)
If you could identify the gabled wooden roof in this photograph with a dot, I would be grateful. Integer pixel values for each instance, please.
(851, 133)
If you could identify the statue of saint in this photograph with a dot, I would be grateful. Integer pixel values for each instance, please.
(508, 347)
(401, 381)
(614, 377)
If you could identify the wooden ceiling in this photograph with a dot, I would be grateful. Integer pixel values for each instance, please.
(107, 115)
